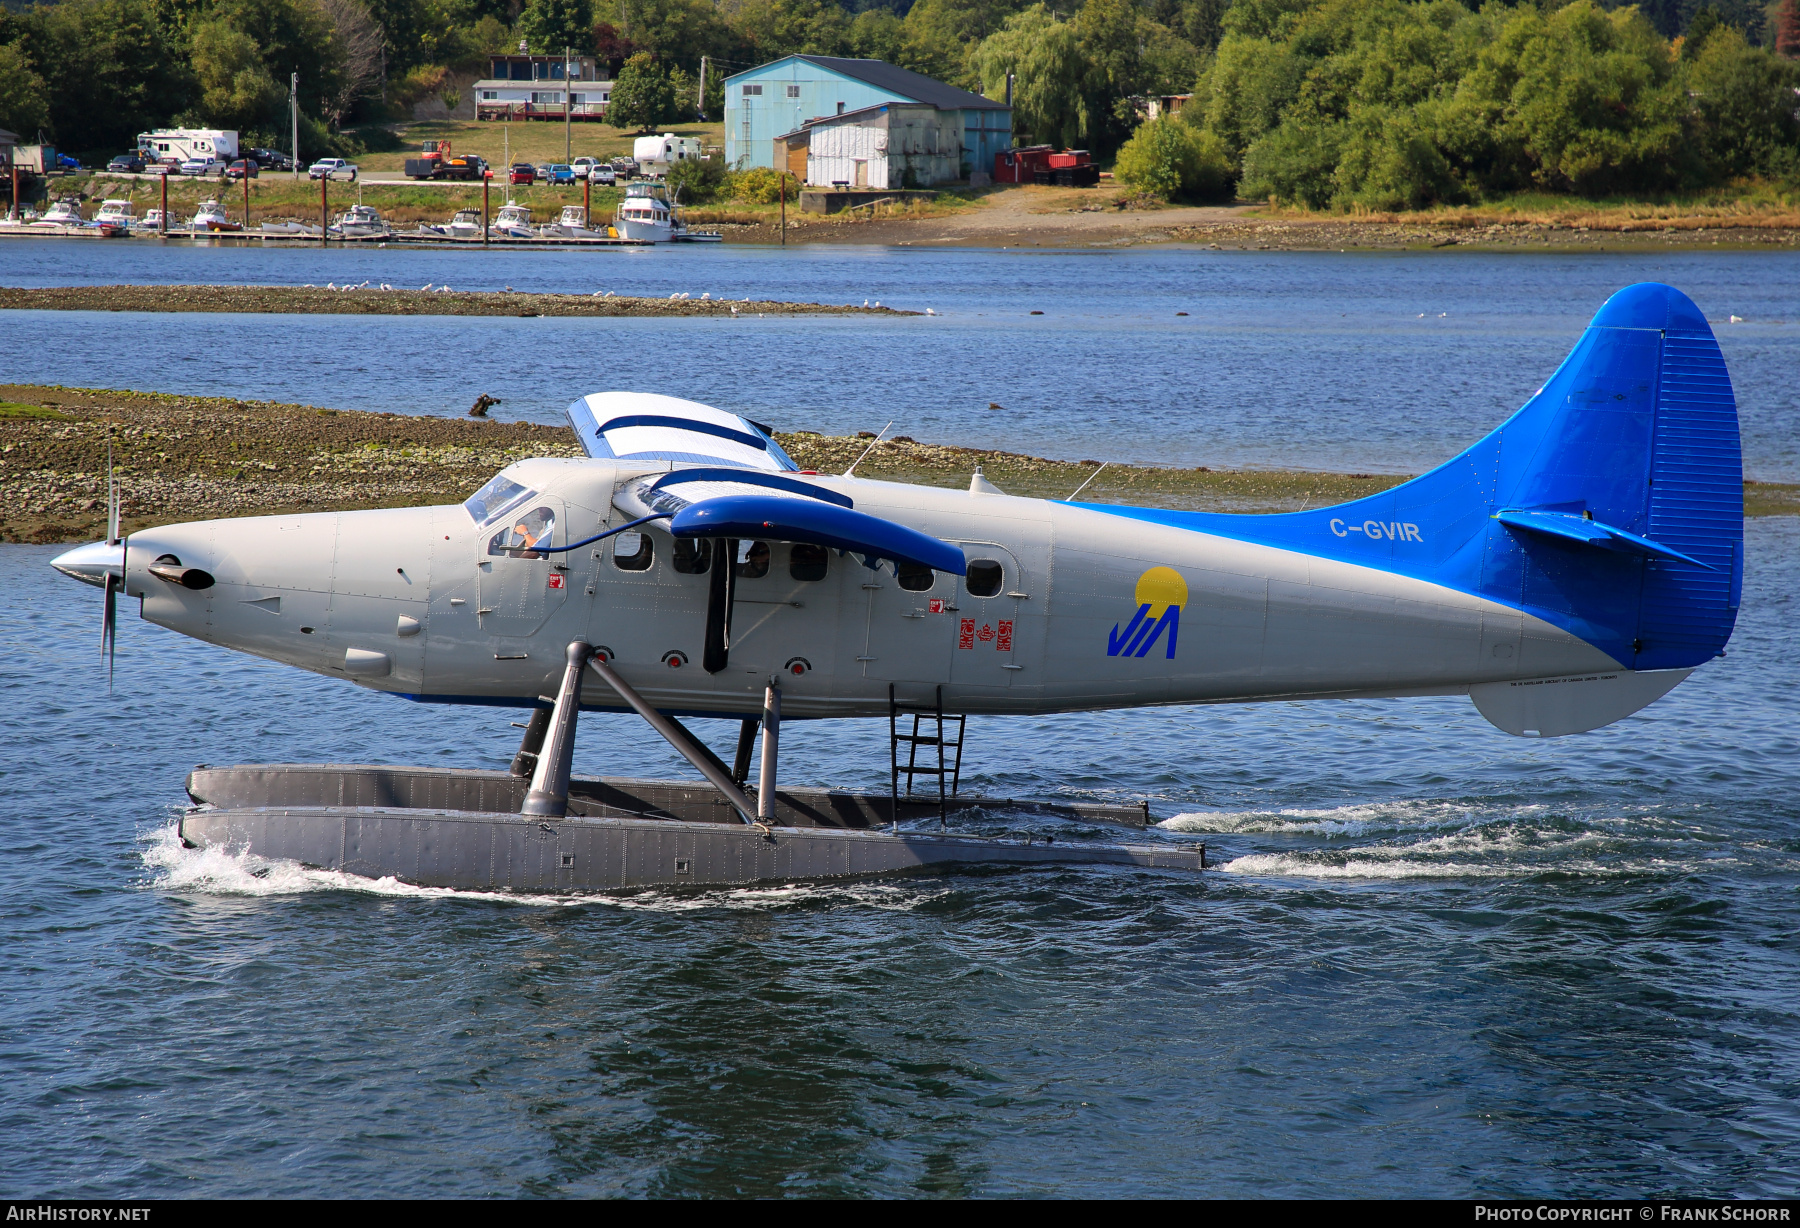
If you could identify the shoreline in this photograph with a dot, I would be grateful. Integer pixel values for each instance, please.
(191, 458)
(374, 300)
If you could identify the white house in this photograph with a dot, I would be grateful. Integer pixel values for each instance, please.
(890, 145)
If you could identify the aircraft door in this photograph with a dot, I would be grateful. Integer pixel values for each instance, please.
(519, 587)
(911, 624)
(998, 629)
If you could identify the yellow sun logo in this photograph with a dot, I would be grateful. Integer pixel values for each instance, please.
(1161, 593)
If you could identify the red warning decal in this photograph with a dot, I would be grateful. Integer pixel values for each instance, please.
(556, 579)
(965, 636)
(937, 605)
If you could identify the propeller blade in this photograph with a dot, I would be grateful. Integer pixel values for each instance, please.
(109, 618)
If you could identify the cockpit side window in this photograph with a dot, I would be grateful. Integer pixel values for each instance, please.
(985, 577)
(496, 497)
(522, 533)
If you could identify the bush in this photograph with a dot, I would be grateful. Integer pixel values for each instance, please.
(696, 180)
(1293, 165)
(761, 185)
(1175, 161)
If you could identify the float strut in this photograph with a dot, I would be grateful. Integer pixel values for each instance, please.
(765, 782)
(740, 770)
(549, 796)
(676, 734)
(525, 762)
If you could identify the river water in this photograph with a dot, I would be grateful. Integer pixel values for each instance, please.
(1436, 960)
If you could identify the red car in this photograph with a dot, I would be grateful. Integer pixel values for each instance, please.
(522, 172)
(243, 167)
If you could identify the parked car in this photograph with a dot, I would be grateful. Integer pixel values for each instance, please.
(522, 172)
(332, 168)
(126, 164)
(542, 170)
(242, 168)
(625, 168)
(603, 174)
(203, 166)
(272, 160)
(560, 173)
(582, 166)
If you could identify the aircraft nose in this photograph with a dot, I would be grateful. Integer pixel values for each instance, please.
(91, 562)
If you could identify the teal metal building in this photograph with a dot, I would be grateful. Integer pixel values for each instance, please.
(777, 98)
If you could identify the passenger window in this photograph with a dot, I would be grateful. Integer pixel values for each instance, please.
(633, 551)
(753, 560)
(984, 577)
(526, 531)
(915, 578)
(692, 555)
(807, 561)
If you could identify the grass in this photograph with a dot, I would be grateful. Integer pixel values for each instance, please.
(13, 409)
(525, 142)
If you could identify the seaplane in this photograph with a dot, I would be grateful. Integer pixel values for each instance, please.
(1572, 567)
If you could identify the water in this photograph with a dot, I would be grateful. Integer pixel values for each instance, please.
(1377, 363)
(1436, 960)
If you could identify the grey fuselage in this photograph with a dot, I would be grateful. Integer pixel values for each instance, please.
(412, 601)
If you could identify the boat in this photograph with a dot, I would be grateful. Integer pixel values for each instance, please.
(116, 213)
(65, 212)
(514, 222)
(646, 214)
(361, 222)
(211, 219)
(573, 224)
(150, 223)
(288, 228)
(465, 225)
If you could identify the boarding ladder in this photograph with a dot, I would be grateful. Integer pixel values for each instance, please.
(936, 735)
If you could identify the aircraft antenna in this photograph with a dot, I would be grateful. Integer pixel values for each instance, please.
(859, 460)
(1084, 485)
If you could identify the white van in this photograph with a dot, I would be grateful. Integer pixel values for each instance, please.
(656, 154)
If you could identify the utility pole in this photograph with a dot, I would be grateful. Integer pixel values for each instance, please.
(294, 115)
(568, 105)
(700, 98)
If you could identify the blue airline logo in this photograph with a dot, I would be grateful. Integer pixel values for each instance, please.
(1161, 592)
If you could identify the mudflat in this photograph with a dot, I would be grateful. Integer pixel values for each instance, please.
(368, 299)
(188, 458)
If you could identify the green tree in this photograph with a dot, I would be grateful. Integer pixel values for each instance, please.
(774, 28)
(23, 108)
(1050, 105)
(642, 96)
(676, 32)
(236, 90)
(877, 34)
(1175, 161)
(110, 69)
(942, 37)
(550, 26)
(1744, 97)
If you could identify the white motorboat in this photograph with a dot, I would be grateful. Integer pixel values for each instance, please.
(288, 228)
(465, 225)
(361, 222)
(150, 223)
(646, 215)
(117, 213)
(211, 219)
(514, 222)
(573, 224)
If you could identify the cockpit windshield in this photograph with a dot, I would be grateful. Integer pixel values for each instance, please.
(495, 498)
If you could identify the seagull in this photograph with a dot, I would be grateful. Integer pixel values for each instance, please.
(385, 286)
(509, 289)
(1737, 319)
(673, 297)
(425, 287)
(878, 302)
(734, 311)
(331, 285)
(930, 312)
(596, 294)
(706, 296)
(865, 302)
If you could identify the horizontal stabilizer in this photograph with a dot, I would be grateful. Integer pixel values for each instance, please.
(1591, 532)
(781, 517)
(1551, 707)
